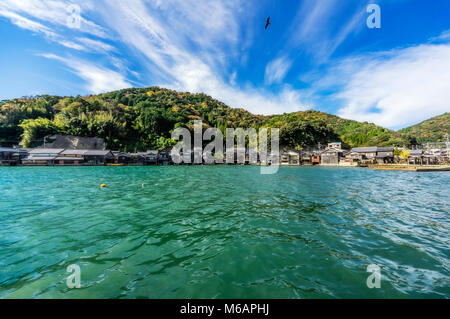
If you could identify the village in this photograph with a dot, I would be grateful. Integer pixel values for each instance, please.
(76, 151)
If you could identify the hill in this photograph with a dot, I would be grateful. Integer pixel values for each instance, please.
(431, 130)
(143, 118)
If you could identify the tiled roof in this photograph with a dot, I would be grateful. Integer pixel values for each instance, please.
(46, 151)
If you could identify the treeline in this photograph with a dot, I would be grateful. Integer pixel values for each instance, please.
(143, 118)
(431, 130)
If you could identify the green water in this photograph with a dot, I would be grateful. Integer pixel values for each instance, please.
(223, 232)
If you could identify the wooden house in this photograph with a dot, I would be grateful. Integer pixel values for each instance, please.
(70, 157)
(375, 154)
(98, 157)
(164, 158)
(42, 156)
(315, 159)
(122, 158)
(332, 156)
(12, 156)
(151, 157)
(284, 158)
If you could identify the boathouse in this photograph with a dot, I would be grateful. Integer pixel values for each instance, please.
(330, 156)
(12, 156)
(151, 157)
(164, 157)
(42, 156)
(376, 154)
(70, 157)
(98, 157)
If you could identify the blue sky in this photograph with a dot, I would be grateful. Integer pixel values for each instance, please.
(316, 54)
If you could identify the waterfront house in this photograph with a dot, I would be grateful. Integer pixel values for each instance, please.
(353, 156)
(12, 156)
(415, 157)
(98, 157)
(273, 159)
(315, 159)
(137, 158)
(375, 154)
(122, 158)
(330, 156)
(290, 157)
(42, 156)
(284, 158)
(164, 157)
(294, 158)
(151, 157)
(70, 157)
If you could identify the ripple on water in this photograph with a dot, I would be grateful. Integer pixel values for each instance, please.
(223, 232)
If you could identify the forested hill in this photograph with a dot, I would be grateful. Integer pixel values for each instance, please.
(431, 130)
(143, 118)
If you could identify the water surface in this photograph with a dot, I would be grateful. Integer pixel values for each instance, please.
(223, 232)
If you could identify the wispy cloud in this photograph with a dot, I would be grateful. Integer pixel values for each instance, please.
(95, 45)
(394, 88)
(27, 24)
(55, 12)
(98, 79)
(188, 45)
(276, 70)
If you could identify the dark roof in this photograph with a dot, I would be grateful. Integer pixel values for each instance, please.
(97, 152)
(46, 151)
(12, 150)
(385, 149)
(74, 152)
(372, 149)
(365, 149)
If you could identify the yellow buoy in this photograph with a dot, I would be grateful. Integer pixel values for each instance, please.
(102, 185)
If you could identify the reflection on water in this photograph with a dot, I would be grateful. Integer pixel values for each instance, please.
(223, 232)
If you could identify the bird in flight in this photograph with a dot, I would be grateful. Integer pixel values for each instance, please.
(267, 23)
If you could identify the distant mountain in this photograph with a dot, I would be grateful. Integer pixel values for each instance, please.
(143, 118)
(431, 130)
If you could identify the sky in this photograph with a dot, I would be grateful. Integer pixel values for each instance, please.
(315, 54)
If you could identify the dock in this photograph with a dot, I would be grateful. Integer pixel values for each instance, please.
(410, 168)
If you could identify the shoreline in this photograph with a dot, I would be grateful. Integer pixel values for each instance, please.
(376, 167)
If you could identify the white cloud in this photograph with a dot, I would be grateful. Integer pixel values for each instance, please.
(98, 79)
(188, 45)
(84, 43)
(55, 12)
(95, 45)
(27, 24)
(393, 89)
(276, 70)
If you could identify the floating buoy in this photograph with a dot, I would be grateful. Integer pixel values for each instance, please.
(102, 185)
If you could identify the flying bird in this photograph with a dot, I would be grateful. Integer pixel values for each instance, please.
(267, 23)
